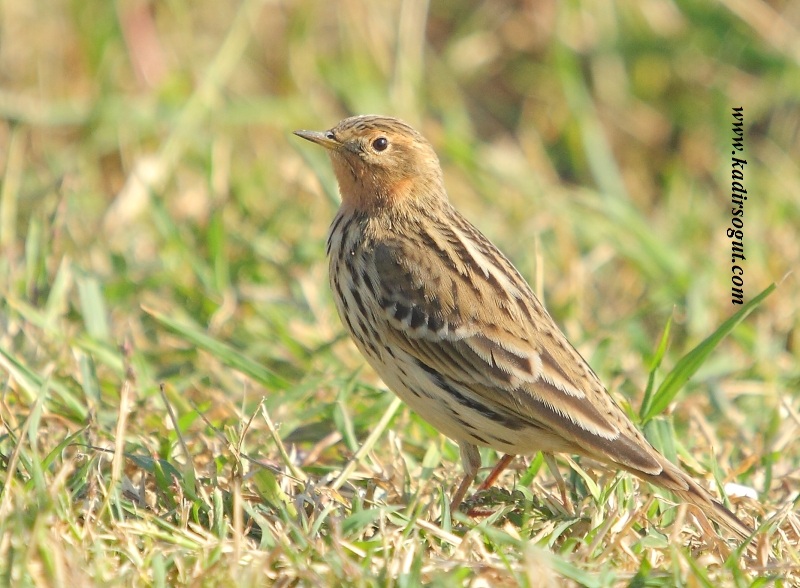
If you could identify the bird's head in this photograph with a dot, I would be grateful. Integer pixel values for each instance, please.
(380, 162)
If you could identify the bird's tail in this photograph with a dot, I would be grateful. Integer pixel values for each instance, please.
(687, 489)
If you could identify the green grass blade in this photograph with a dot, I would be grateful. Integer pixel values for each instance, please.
(93, 307)
(688, 365)
(647, 401)
(223, 352)
(31, 384)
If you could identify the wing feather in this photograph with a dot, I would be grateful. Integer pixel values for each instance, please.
(521, 367)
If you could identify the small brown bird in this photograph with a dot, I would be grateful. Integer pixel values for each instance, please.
(453, 328)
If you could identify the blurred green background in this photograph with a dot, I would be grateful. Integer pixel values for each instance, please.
(159, 224)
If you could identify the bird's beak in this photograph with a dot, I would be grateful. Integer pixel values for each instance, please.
(319, 139)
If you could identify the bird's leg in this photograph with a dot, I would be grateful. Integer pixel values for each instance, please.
(550, 460)
(491, 479)
(471, 460)
(496, 471)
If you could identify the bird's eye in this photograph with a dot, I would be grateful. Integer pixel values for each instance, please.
(380, 144)
(330, 135)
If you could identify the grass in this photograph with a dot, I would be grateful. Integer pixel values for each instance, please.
(180, 405)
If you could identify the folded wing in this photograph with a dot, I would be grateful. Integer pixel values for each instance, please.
(456, 326)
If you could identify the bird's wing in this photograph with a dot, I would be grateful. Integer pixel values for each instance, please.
(459, 307)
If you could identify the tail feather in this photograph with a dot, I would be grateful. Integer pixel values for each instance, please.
(687, 489)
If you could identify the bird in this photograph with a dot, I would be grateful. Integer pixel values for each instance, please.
(453, 328)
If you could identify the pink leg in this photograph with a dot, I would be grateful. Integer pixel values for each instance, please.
(495, 473)
(471, 460)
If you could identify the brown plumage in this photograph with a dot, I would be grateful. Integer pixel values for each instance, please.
(453, 328)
